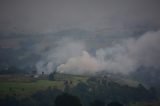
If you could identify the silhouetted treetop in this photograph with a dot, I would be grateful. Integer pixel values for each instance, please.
(67, 100)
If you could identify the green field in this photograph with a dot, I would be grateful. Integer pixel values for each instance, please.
(21, 86)
(24, 89)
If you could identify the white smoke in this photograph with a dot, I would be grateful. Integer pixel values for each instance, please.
(145, 50)
(66, 48)
(80, 65)
(71, 56)
(124, 57)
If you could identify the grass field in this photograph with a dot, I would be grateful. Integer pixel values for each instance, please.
(21, 86)
(24, 89)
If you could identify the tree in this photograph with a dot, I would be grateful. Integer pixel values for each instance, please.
(67, 100)
(51, 76)
(97, 103)
(115, 104)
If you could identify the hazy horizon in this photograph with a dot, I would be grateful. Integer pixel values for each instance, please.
(80, 37)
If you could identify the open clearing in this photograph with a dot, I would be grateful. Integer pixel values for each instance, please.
(21, 86)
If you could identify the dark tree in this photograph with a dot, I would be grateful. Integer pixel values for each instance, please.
(114, 104)
(67, 100)
(97, 103)
(51, 76)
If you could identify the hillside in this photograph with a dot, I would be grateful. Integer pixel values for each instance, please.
(88, 88)
(22, 85)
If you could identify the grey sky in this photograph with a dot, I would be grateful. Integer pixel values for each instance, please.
(40, 16)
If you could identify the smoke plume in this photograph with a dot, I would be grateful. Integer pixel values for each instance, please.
(123, 57)
(66, 48)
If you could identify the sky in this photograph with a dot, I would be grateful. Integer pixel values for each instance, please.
(61, 31)
(39, 16)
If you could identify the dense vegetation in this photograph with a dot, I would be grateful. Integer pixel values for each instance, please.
(90, 92)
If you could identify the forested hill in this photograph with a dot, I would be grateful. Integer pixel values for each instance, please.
(41, 91)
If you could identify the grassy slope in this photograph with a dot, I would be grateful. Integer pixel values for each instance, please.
(24, 89)
(21, 87)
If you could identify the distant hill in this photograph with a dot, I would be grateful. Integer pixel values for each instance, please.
(148, 76)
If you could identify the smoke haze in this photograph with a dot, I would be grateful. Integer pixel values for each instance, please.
(123, 57)
(80, 36)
